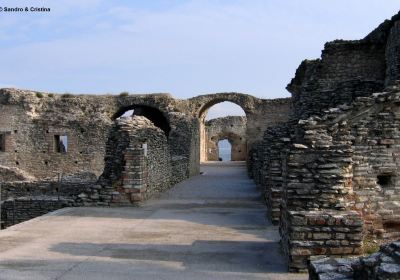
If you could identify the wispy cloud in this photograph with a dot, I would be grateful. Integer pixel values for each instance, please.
(184, 47)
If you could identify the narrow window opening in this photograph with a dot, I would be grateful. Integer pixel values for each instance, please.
(61, 144)
(384, 180)
(390, 227)
(2, 142)
(145, 149)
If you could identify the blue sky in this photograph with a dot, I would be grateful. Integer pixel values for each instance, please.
(185, 48)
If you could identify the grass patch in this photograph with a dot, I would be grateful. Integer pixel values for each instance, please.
(370, 246)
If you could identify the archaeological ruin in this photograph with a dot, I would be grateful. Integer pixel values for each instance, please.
(232, 128)
(326, 160)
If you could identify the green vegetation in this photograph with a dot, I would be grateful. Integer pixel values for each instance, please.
(124, 93)
(370, 246)
(39, 95)
(67, 95)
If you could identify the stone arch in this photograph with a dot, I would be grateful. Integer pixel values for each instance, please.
(156, 116)
(204, 102)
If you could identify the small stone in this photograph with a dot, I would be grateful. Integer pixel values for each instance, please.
(300, 146)
(82, 195)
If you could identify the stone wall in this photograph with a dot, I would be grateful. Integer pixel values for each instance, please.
(231, 128)
(25, 208)
(338, 154)
(268, 170)
(30, 136)
(346, 160)
(24, 200)
(392, 55)
(384, 264)
(260, 114)
(311, 233)
(138, 165)
(137, 162)
(33, 158)
(31, 122)
(346, 70)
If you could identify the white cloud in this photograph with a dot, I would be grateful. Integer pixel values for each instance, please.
(188, 49)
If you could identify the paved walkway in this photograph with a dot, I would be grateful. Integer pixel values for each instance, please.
(211, 226)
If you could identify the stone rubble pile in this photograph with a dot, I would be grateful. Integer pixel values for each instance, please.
(383, 265)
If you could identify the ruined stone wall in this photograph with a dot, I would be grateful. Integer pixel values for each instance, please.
(232, 128)
(23, 209)
(317, 233)
(137, 162)
(268, 173)
(338, 155)
(269, 114)
(184, 144)
(346, 160)
(133, 172)
(346, 70)
(30, 121)
(392, 55)
(24, 200)
(376, 158)
(384, 264)
(260, 113)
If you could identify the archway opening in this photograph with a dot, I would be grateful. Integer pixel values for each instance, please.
(223, 109)
(127, 114)
(153, 114)
(224, 150)
(223, 122)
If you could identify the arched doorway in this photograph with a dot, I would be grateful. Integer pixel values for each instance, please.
(227, 146)
(220, 120)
